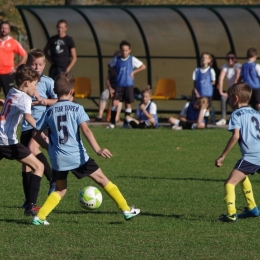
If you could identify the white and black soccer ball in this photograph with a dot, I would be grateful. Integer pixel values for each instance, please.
(90, 198)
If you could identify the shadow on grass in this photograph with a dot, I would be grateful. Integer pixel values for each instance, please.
(171, 178)
(20, 222)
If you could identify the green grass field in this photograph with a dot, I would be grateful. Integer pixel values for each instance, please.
(169, 174)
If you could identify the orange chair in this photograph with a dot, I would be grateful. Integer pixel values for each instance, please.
(165, 89)
(82, 87)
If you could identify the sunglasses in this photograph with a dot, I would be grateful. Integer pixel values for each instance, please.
(230, 58)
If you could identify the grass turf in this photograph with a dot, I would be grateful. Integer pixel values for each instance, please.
(169, 174)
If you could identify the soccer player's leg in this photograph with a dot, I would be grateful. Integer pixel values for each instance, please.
(34, 184)
(235, 177)
(114, 193)
(51, 202)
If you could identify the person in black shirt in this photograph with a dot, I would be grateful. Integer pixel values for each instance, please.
(60, 51)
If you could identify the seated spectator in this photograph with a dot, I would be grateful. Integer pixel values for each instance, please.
(146, 112)
(191, 116)
(109, 93)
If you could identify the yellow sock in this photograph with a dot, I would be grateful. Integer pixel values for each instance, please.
(246, 187)
(117, 196)
(51, 202)
(230, 198)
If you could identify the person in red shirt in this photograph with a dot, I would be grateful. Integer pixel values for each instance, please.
(8, 47)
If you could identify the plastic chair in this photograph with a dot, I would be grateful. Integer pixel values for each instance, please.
(82, 87)
(165, 89)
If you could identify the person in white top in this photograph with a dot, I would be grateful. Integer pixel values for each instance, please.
(230, 71)
(16, 106)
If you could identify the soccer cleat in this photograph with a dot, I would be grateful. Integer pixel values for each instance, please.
(52, 187)
(247, 213)
(37, 222)
(131, 213)
(228, 218)
(111, 126)
(221, 122)
(32, 212)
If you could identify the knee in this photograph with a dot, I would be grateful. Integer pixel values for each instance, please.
(39, 167)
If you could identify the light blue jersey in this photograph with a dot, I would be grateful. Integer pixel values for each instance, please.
(66, 150)
(247, 120)
(45, 88)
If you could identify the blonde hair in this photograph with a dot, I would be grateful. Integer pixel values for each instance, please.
(202, 102)
(34, 54)
(242, 90)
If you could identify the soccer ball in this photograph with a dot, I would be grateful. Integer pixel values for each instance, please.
(90, 198)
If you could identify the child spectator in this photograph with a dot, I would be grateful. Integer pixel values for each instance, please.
(250, 73)
(230, 71)
(109, 93)
(204, 78)
(191, 116)
(45, 97)
(126, 66)
(67, 153)
(17, 105)
(146, 112)
(244, 125)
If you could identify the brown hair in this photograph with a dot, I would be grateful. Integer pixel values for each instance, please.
(34, 54)
(202, 102)
(124, 43)
(210, 56)
(24, 73)
(63, 83)
(251, 52)
(242, 90)
(146, 90)
(61, 21)
(5, 22)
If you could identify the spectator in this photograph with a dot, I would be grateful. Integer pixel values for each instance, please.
(62, 50)
(8, 47)
(109, 93)
(230, 71)
(146, 112)
(250, 73)
(191, 116)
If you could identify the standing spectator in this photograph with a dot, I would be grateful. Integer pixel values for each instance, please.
(8, 47)
(230, 71)
(250, 74)
(126, 67)
(62, 49)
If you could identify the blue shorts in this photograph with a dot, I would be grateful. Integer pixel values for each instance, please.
(247, 167)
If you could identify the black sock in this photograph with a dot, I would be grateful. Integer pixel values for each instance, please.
(34, 187)
(47, 169)
(133, 124)
(26, 179)
(142, 125)
(113, 117)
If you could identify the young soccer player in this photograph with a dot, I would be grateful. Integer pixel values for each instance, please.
(44, 97)
(146, 112)
(17, 105)
(126, 67)
(250, 73)
(244, 124)
(67, 153)
(191, 116)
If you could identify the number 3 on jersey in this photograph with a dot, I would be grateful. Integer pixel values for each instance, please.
(62, 129)
(257, 126)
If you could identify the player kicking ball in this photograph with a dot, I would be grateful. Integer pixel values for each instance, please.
(67, 153)
(244, 124)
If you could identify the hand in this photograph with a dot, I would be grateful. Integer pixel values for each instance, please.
(104, 153)
(218, 162)
(111, 91)
(132, 75)
(224, 94)
(43, 102)
(37, 95)
(12, 71)
(142, 107)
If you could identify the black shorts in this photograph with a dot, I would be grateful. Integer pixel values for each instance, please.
(83, 171)
(255, 98)
(26, 136)
(185, 125)
(14, 152)
(124, 94)
(247, 167)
